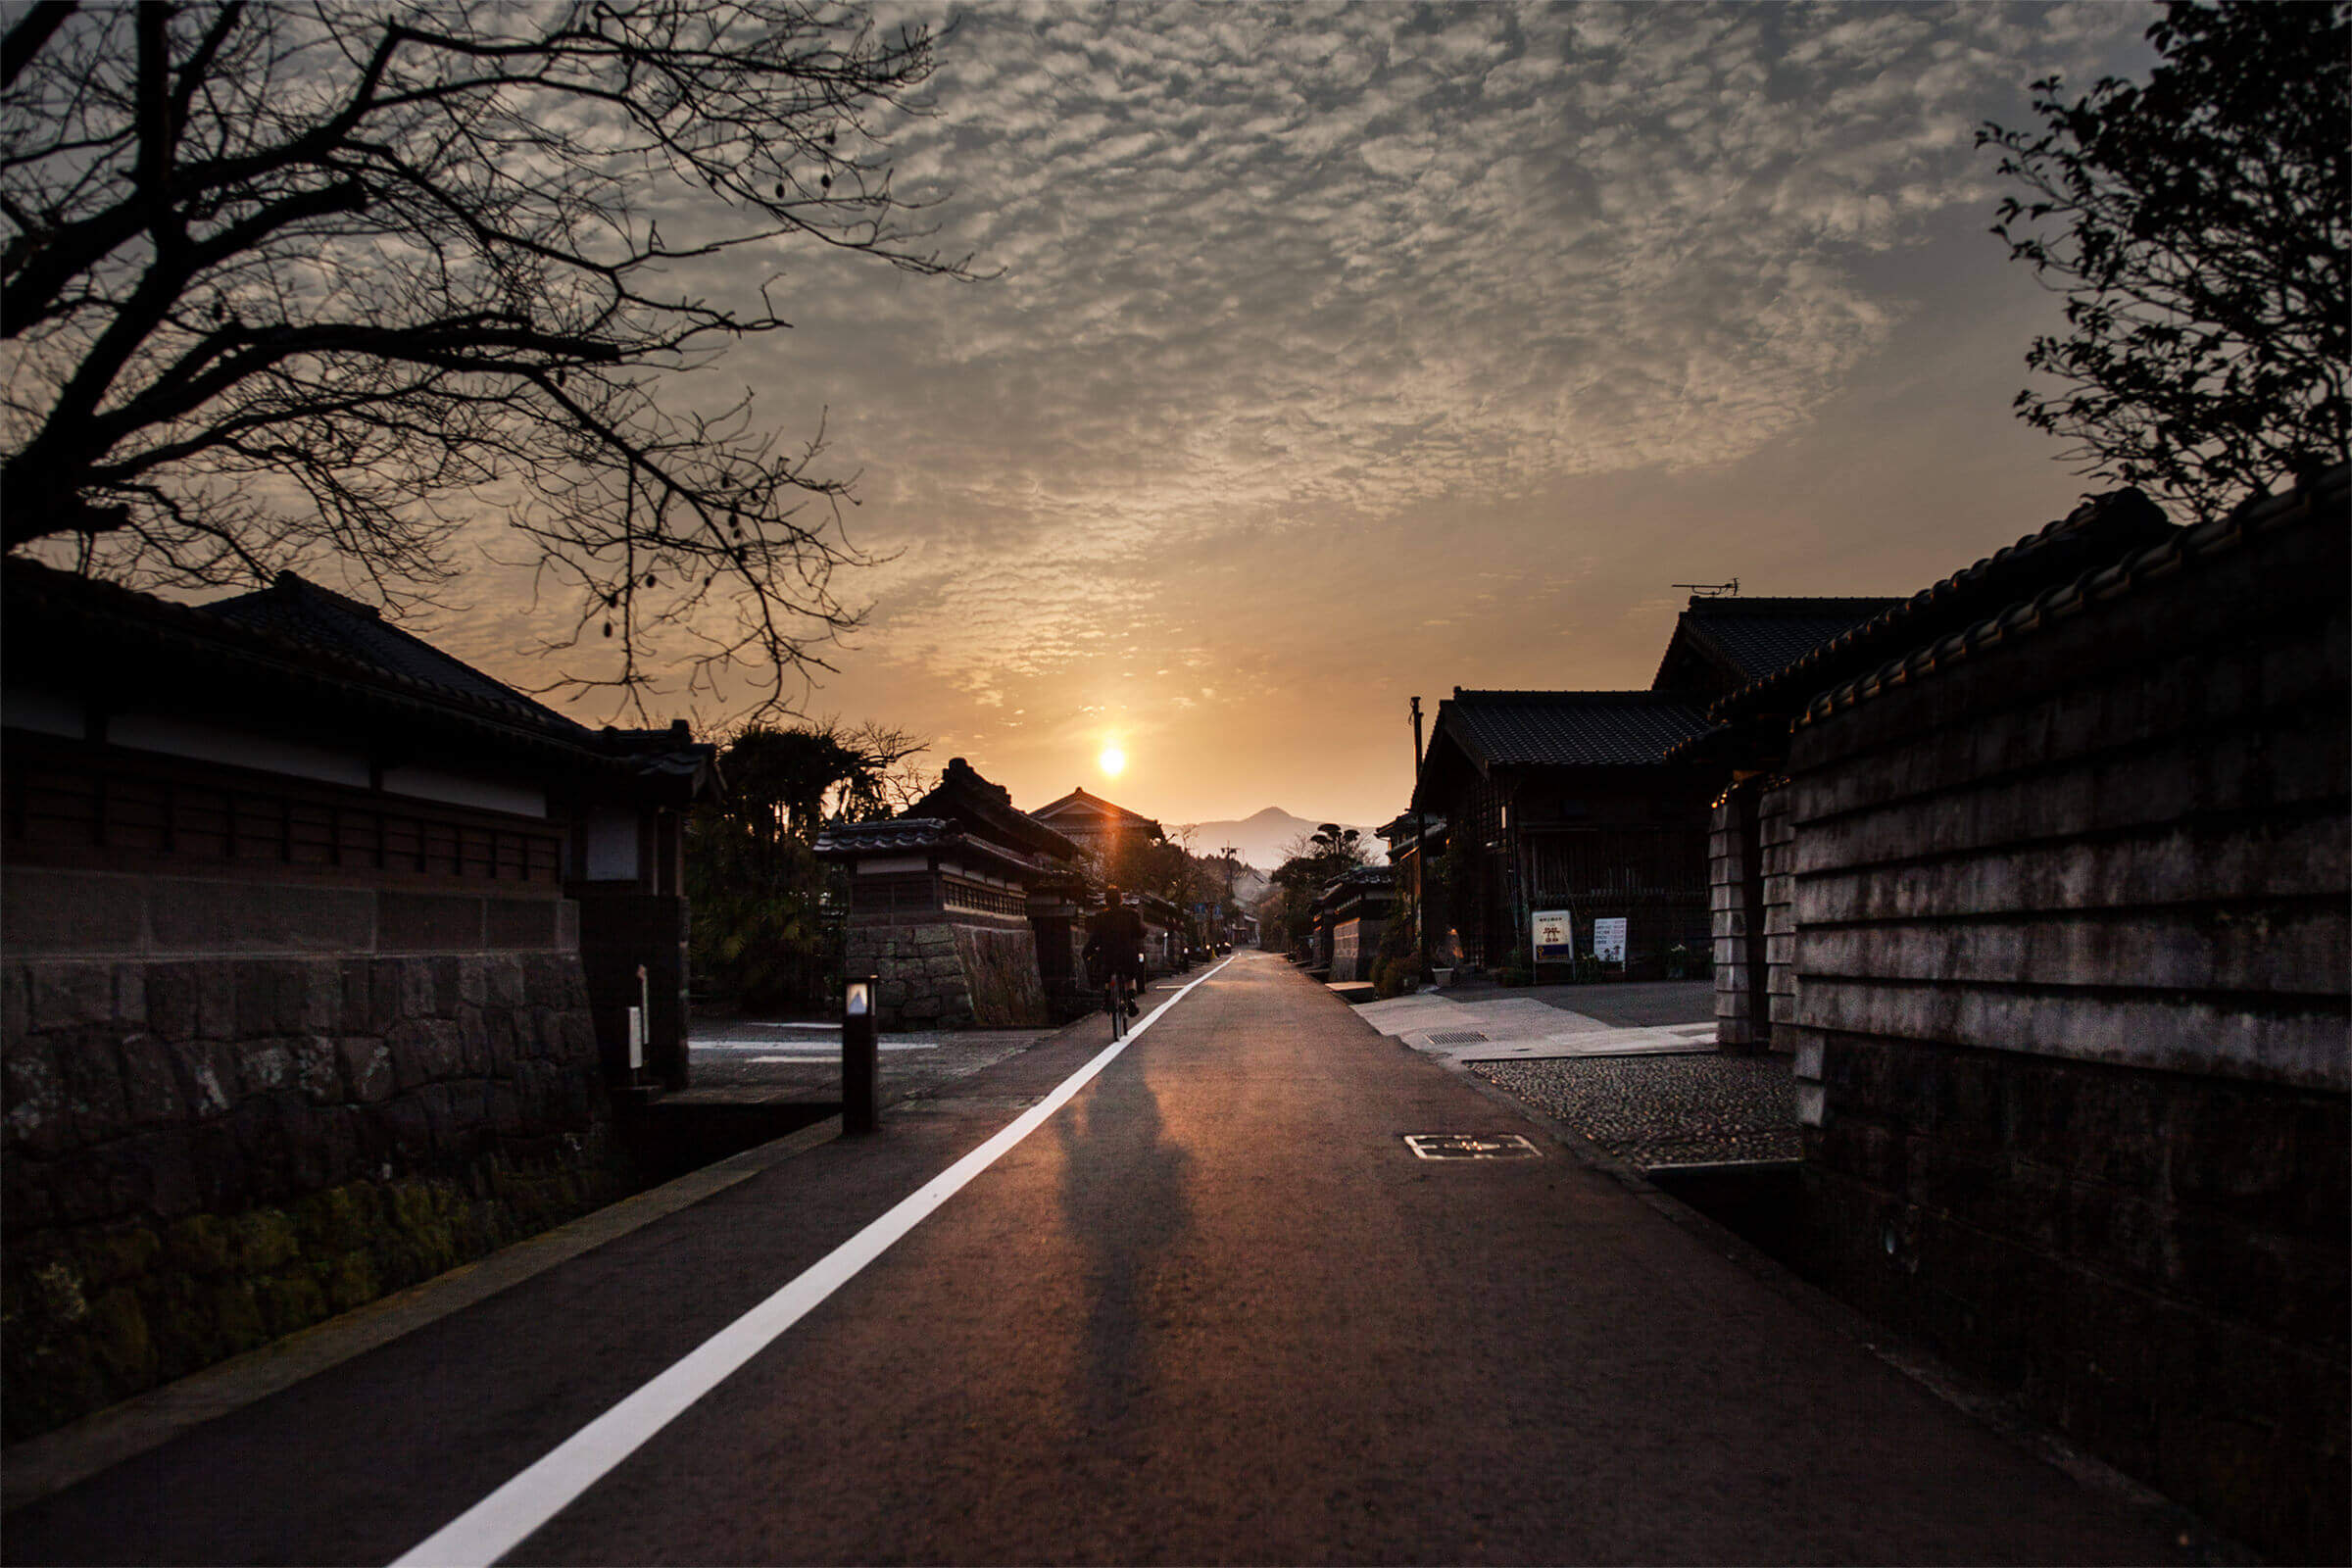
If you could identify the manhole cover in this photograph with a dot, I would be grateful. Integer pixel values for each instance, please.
(1461, 1037)
(1471, 1146)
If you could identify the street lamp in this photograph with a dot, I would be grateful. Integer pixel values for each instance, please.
(860, 1102)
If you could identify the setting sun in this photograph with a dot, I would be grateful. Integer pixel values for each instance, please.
(1114, 760)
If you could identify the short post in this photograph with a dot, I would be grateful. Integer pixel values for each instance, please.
(861, 1101)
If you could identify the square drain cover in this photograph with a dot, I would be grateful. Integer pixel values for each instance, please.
(1471, 1146)
(1460, 1037)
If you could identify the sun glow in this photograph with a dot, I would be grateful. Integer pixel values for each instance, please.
(1113, 762)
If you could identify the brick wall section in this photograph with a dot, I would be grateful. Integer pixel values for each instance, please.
(2072, 1033)
(205, 1152)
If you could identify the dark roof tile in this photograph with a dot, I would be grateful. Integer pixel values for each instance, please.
(301, 611)
(1568, 728)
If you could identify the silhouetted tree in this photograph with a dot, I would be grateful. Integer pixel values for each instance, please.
(766, 910)
(286, 281)
(1310, 864)
(2201, 252)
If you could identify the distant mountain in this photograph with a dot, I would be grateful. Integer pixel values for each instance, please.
(1259, 840)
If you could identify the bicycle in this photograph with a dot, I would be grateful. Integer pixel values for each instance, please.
(1116, 1001)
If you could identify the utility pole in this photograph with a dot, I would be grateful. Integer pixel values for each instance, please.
(1420, 854)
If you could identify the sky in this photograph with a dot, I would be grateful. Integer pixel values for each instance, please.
(1336, 355)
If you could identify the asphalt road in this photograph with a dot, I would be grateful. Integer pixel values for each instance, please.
(1212, 1309)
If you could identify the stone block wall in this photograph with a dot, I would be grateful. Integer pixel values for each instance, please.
(1731, 915)
(1751, 895)
(1776, 837)
(944, 975)
(203, 1153)
(2071, 1025)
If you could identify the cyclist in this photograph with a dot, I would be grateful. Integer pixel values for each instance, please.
(1114, 946)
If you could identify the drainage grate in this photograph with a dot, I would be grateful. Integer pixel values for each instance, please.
(1464, 1037)
(1471, 1146)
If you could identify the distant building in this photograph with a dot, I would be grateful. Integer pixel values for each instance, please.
(964, 908)
(1566, 800)
(1351, 914)
(1095, 825)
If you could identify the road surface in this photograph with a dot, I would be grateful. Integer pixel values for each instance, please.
(1214, 1307)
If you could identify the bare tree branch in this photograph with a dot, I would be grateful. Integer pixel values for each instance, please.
(286, 282)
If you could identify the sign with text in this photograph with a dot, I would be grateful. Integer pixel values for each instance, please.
(1609, 940)
(1555, 936)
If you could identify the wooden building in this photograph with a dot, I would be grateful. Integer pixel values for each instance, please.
(301, 913)
(1559, 801)
(1566, 800)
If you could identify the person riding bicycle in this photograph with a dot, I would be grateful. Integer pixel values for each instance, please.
(1114, 946)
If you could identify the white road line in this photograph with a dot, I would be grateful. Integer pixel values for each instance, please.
(499, 1521)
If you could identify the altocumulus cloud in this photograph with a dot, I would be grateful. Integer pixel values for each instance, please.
(1298, 267)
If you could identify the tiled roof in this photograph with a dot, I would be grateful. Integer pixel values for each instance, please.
(1757, 636)
(289, 662)
(301, 611)
(876, 838)
(2322, 503)
(1567, 728)
(2086, 538)
(1082, 809)
(963, 796)
(907, 834)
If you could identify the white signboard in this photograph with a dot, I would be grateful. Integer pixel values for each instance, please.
(1553, 936)
(1609, 940)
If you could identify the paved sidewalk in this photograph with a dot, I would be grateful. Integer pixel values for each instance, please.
(1214, 1308)
(1488, 1027)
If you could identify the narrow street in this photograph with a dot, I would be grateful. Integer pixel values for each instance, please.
(1213, 1309)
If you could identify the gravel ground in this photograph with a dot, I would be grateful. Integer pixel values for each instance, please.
(1664, 1110)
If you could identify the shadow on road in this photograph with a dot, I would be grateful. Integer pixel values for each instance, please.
(1126, 1208)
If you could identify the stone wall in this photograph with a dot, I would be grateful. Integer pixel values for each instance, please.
(1751, 894)
(1734, 917)
(2071, 1025)
(205, 1151)
(944, 975)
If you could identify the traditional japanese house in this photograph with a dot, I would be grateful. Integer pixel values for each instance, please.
(1099, 828)
(1414, 840)
(940, 902)
(1352, 914)
(301, 912)
(1565, 800)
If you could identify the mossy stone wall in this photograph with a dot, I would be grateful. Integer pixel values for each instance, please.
(202, 1155)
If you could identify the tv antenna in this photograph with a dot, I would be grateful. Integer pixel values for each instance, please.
(1711, 590)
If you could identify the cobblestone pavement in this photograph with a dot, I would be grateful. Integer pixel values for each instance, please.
(1653, 1110)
